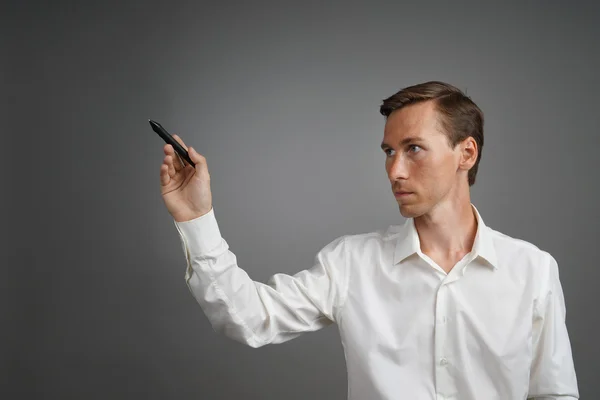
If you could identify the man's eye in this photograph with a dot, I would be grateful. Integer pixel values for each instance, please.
(386, 151)
(413, 146)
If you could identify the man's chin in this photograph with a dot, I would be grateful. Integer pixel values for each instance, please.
(408, 210)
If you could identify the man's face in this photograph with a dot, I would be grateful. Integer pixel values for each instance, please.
(419, 160)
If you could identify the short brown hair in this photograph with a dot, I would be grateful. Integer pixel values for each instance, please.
(460, 116)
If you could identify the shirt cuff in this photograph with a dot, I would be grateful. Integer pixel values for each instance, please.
(201, 235)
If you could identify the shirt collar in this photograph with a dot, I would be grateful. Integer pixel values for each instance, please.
(408, 242)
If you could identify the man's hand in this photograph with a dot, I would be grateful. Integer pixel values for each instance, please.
(185, 189)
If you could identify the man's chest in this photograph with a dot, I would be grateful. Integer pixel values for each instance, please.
(413, 310)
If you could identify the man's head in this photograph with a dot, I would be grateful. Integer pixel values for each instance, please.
(433, 139)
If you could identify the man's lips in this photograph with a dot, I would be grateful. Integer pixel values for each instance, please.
(402, 194)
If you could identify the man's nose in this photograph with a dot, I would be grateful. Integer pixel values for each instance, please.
(398, 168)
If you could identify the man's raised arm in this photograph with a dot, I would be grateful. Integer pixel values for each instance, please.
(256, 313)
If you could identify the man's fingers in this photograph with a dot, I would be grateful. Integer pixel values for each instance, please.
(180, 141)
(171, 165)
(168, 171)
(164, 175)
(176, 160)
(180, 159)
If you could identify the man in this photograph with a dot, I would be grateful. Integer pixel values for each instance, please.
(441, 307)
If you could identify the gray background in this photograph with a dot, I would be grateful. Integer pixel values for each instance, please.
(282, 99)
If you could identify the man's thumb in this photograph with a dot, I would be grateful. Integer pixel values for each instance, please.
(193, 155)
(196, 158)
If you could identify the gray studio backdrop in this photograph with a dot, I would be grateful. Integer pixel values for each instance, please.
(282, 99)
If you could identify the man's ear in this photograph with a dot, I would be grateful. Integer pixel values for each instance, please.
(469, 152)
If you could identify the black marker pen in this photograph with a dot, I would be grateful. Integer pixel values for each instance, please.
(156, 127)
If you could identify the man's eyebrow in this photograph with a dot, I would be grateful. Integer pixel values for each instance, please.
(404, 141)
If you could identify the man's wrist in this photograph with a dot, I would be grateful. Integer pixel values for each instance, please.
(185, 217)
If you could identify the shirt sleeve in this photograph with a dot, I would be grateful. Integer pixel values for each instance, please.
(552, 374)
(255, 313)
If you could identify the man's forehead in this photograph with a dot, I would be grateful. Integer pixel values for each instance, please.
(413, 115)
(413, 121)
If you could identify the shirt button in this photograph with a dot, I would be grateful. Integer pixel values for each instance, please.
(443, 361)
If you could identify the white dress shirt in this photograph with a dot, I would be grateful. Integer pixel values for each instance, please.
(492, 328)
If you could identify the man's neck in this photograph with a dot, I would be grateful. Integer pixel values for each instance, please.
(448, 231)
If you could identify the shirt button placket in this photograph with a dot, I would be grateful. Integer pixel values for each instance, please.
(443, 385)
